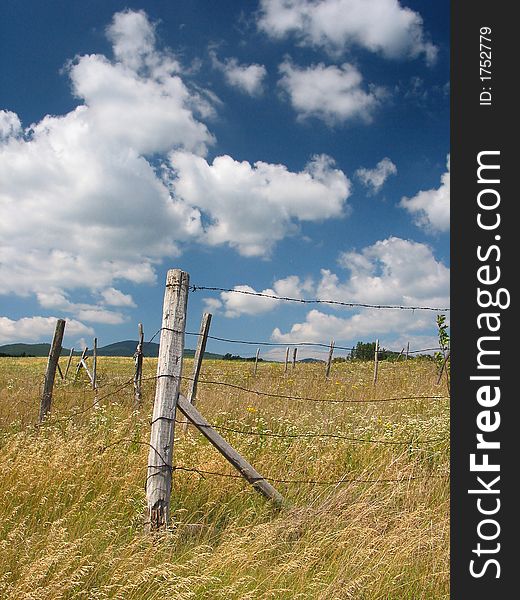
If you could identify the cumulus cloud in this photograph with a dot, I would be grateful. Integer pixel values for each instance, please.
(391, 271)
(330, 93)
(81, 204)
(234, 304)
(10, 125)
(114, 297)
(94, 313)
(105, 192)
(376, 177)
(381, 26)
(35, 329)
(244, 304)
(431, 208)
(247, 78)
(369, 323)
(251, 207)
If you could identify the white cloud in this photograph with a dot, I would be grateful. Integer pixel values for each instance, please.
(94, 313)
(376, 177)
(88, 199)
(10, 125)
(293, 287)
(431, 208)
(235, 304)
(367, 324)
(81, 204)
(381, 26)
(247, 78)
(35, 329)
(114, 297)
(333, 94)
(251, 207)
(244, 304)
(392, 271)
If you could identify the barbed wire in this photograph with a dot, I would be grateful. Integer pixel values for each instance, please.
(337, 436)
(195, 288)
(307, 398)
(311, 481)
(283, 344)
(203, 472)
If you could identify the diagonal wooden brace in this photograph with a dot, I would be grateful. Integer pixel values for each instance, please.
(242, 466)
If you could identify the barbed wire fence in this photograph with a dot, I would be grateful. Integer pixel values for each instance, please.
(171, 349)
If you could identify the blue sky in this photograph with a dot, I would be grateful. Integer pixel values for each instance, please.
(297, 147)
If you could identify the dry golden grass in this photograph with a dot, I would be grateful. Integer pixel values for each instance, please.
(72, 492)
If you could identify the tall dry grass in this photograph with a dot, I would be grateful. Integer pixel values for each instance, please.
(72, 492)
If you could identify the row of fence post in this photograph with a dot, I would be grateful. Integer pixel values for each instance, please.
(168, 397)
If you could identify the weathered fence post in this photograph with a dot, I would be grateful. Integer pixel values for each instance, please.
(138, 375)
(50, 373)
(68, 363)
(400, 354)
(256, 360)
(295, 350)
(81, 362)
(443, 366)
(376, 361)
(407, 350)
(329, 360)
(169, 366)
(197, 361)
(94, 365)
(286, 359)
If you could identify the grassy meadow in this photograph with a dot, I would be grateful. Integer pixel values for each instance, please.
(72, 492)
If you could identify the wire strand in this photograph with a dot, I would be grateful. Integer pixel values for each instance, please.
(195, 288)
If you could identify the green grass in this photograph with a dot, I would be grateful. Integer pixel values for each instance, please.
(72, 494)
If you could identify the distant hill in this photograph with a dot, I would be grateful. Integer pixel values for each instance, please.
(124, 348)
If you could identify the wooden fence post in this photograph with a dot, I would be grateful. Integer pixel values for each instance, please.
(376, 361)
(50, 373)
(443, 366)
(295, 350)
(94, 365)
(407, 350)
(197, 361)
(81, 362)
(256, 361)
(329, 360)
(400, 354)
(68, 364)
(286, 359)
(169, 366)
(138, 375)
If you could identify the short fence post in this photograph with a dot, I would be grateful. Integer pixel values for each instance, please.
(286, 359)
(376, 361)
(295, 350)
(68, 363)
(138, 375)
(329, 360)
(81, 362)
(94, 365)
(256, 361)
(169, 366)
(197, 361)
(443, 366)
(50, 373)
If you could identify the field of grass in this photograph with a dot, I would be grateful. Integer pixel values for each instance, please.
(72, 492)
